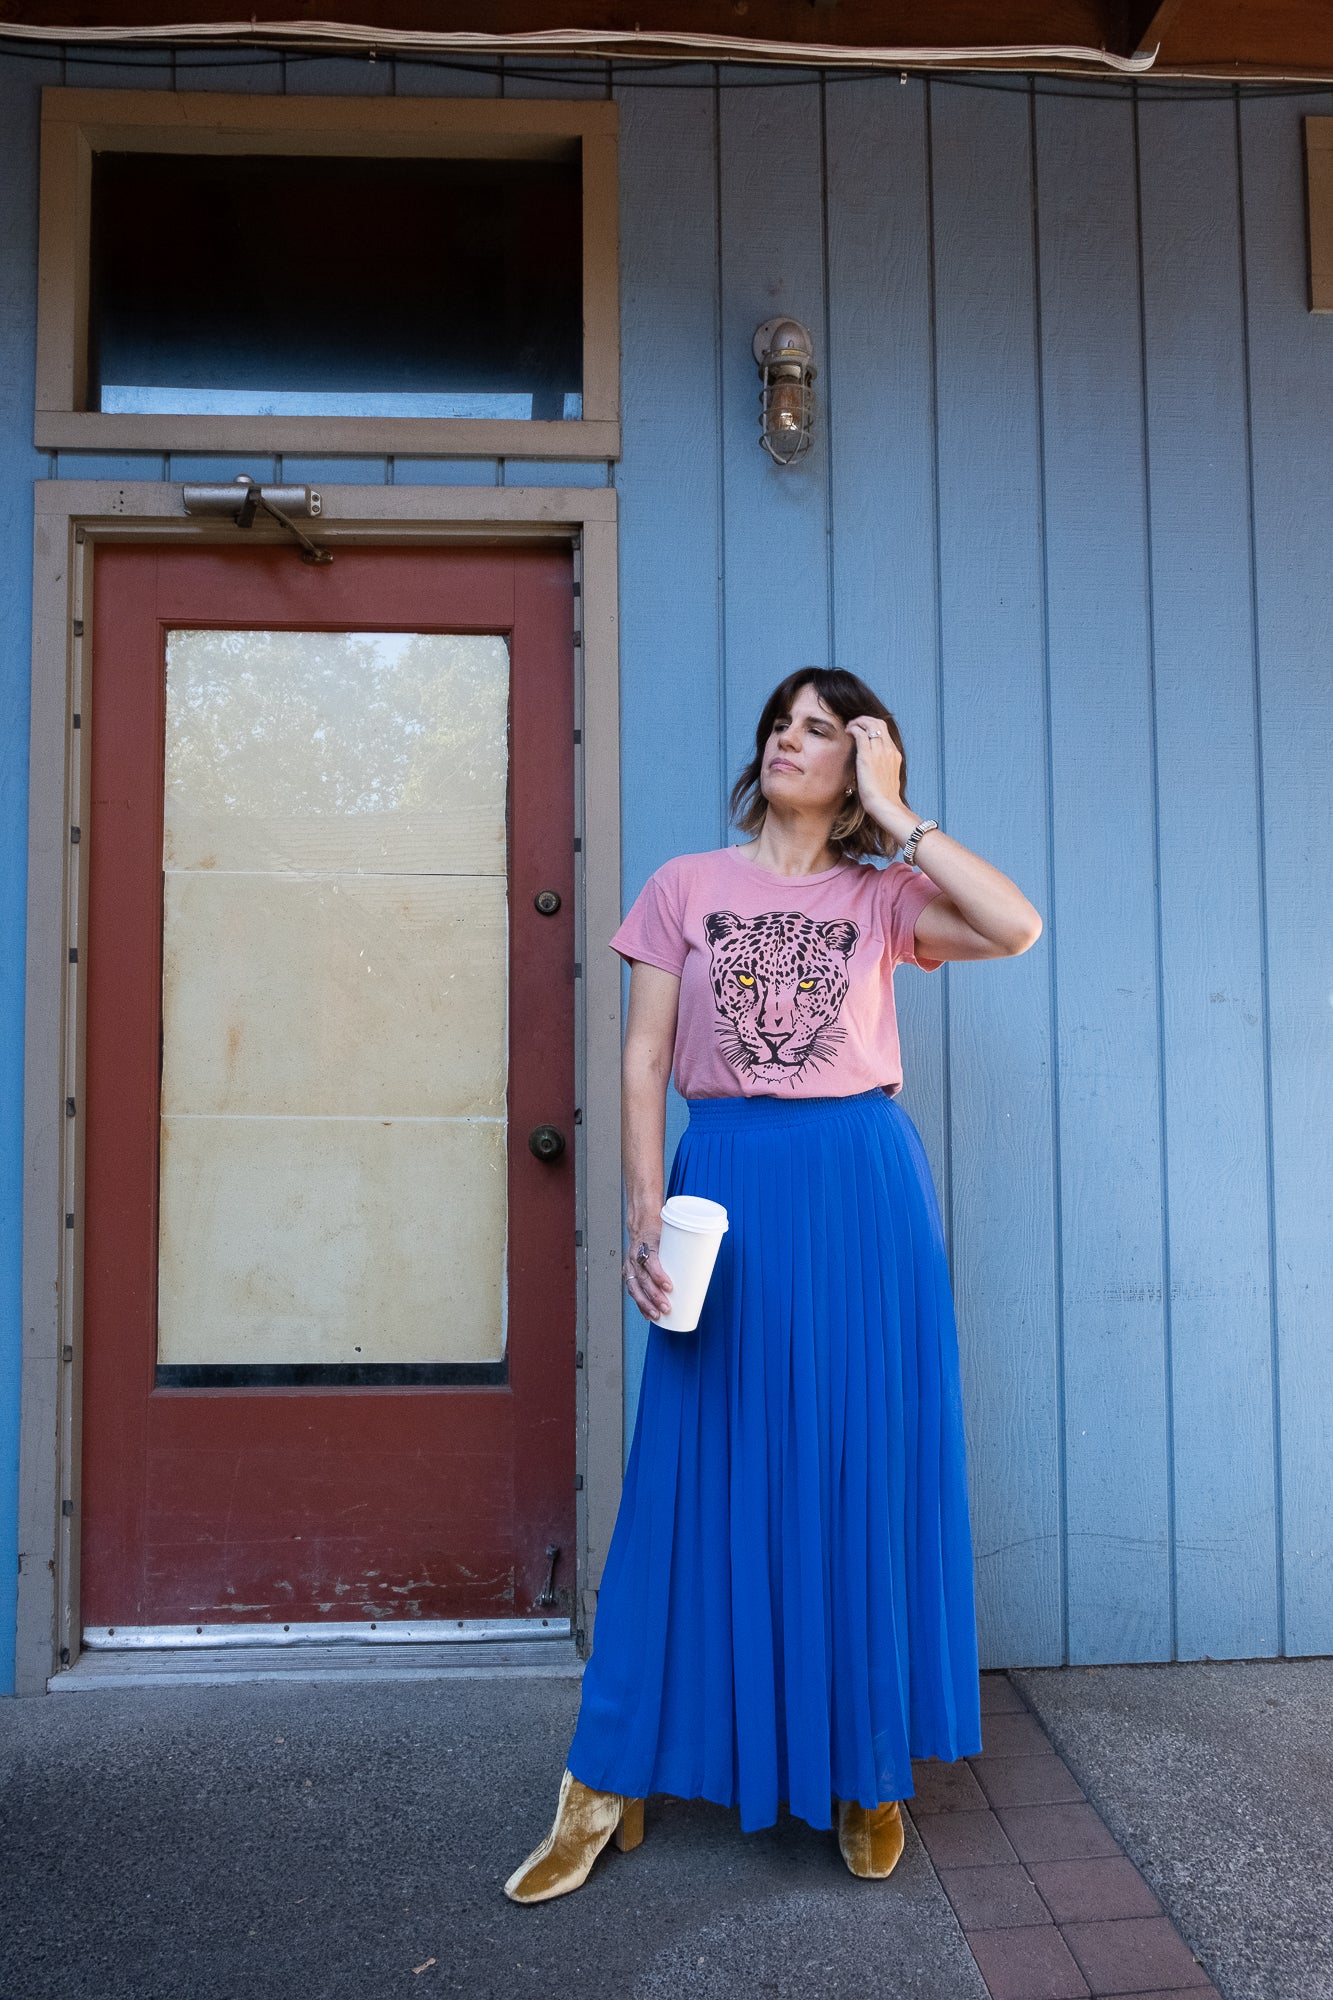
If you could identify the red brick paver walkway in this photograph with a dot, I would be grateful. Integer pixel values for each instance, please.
(1051, 1907)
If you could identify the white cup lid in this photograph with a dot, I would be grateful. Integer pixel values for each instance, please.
(695, 1212)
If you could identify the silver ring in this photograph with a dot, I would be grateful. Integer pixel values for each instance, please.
(641, 1255)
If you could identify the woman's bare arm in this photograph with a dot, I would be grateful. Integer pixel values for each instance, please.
(982, 913)
(650, 1036)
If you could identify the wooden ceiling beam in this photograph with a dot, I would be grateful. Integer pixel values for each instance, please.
(1263, 37)
(1202, 37)
(1144, 24)
(850, 23)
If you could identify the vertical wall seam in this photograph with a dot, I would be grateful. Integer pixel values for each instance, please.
(1256, 682)
(1154, 761)
(720, 428)
(932, 289)
(830, 611)
(1053, 1010)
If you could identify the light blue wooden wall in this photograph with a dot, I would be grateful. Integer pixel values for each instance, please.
(1070, 510)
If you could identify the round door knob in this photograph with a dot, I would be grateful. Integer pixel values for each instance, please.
(546, 1141)
(547, 901)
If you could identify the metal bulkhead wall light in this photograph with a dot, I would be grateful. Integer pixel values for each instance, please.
(785, 355)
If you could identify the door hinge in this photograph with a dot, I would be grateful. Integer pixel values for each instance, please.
(67, 1508)
(78, 628)
(578, 1482)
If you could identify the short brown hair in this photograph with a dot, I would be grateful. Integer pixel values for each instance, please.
(853, 832)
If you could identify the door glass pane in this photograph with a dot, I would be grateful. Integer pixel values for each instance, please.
(334, 1001)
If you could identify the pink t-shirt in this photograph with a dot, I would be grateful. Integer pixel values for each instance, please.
(786, 981)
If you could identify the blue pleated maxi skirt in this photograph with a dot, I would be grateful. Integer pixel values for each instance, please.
(786, 1610)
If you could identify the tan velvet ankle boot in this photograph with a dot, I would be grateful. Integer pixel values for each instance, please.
(584, 1821)
(871, 1842)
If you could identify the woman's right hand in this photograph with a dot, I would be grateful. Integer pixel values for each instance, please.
(645, 1280)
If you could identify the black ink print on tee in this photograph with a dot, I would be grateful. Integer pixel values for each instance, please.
(779, 982)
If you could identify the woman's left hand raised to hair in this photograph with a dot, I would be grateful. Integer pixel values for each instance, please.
(879, 765)
(982, 913)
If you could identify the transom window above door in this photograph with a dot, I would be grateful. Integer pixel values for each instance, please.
(303, 274)
(252, 285)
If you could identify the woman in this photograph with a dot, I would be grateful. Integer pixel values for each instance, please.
(786, 1611)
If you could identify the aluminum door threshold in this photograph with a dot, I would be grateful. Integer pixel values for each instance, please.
(354, 1631)
(401, 1649)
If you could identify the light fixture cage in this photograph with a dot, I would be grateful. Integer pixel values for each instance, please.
(784, 355)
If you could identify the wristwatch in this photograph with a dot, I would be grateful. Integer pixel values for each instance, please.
(922, 826)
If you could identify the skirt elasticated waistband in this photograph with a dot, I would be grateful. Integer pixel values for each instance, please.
(706, 1111)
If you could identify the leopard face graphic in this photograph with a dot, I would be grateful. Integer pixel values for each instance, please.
(779, 982)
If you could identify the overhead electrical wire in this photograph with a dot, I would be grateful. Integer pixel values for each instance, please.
(96, 50)
(596, 42)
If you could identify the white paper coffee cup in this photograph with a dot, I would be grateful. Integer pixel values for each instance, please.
(692, 1231)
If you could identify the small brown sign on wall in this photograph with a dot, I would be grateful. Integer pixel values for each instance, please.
(1319, 210)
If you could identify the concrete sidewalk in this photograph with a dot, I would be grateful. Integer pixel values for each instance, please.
(1216, 1778)
(348, 1840)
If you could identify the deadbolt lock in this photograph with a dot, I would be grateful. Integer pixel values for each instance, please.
(546, 901)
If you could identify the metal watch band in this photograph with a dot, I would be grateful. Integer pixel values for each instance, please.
(922, 826)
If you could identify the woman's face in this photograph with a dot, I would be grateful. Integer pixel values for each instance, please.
(810, 756)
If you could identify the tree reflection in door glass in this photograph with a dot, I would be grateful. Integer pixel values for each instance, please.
(330, 722)
(334, 999)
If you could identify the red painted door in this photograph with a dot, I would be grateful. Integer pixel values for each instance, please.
(328, 1284)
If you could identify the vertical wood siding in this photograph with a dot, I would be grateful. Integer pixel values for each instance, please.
(1069, 508)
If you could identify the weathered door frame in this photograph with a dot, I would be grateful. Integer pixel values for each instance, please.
(71, 518)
